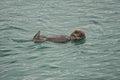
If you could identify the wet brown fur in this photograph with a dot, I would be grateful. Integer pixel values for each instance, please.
(76, 35)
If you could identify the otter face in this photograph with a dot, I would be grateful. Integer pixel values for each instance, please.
(77, 35)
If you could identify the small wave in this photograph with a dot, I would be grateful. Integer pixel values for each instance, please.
(4, 20)
(5, 50)
(21, 40)
(13, 28)
(95, 22)
(112, 36)
(4, 55)
(33, 57)
(49, 67)
(44, 47)
(11, 62)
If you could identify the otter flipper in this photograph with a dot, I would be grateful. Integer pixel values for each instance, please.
(37, 36)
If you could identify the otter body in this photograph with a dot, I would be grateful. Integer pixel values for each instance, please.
(76, 35)
(58, 39)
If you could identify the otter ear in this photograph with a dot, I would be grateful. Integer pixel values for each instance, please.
(37, 35)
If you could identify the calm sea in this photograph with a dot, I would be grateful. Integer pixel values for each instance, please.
(98, 58)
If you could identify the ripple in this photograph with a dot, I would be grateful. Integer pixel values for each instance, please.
(40, 47)
(4, 20)
(7, 54)
(3, 55)
(5, 50)
(13, 28)
(97, 58)
(48, 66)
(95, 22)
(11, 62)
(33, 57)
(21, 40)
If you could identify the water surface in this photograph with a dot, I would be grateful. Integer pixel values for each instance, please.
(96, 59)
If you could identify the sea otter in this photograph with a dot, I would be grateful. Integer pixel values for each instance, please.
(78, 34)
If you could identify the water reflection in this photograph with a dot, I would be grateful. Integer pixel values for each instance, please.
(78, 42)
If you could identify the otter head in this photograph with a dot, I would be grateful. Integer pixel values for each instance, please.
(77, 35)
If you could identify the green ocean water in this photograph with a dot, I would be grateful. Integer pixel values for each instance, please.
(98, 58)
